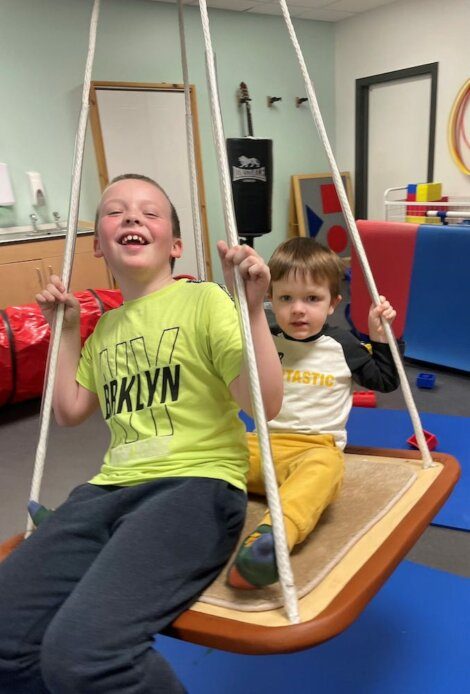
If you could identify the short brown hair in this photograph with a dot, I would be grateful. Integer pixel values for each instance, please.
(306, 257)
(175, 222)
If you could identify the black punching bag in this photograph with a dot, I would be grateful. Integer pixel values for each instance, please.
(250, 162)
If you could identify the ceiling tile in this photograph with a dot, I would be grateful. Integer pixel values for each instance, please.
(357, 5)
(234, 5)
(322, 10)
(275, 9)
(324, 14)
(310, 4)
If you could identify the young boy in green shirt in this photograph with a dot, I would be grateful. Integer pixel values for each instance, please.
(83, 597)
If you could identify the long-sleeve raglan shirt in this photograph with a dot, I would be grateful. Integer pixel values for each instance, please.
(318, 380)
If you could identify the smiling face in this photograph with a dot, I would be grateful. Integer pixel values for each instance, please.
(302, 305)
(134, 231)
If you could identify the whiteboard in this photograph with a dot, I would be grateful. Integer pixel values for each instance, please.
(143, 131)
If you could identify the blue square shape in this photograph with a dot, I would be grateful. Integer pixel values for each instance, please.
(426, 380)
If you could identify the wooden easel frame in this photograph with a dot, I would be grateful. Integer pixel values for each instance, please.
(296, 215)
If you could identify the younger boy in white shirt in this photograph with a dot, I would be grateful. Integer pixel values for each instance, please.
(319, 364)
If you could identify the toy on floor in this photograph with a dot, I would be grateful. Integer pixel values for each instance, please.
(426, 380)
(364, 398)
(431, 440)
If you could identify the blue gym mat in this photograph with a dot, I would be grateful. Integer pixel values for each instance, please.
(437, 322)
(411, 639)
(391, 428)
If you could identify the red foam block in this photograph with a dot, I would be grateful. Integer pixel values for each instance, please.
(390, 248)
(364, 398)
(431, 440)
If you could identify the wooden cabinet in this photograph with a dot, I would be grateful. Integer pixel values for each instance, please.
(25, 268)
(52, 265)
(89, 272)
(19, 282)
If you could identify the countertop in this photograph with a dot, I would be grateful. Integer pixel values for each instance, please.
(16, 237)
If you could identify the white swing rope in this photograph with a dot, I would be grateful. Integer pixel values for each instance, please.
(286, 578)
(357, 242)
(70, 239)
(200, 259)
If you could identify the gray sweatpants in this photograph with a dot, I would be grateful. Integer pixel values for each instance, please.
(83, 597)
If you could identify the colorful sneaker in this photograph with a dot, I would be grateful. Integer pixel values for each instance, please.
(255, 563)
(38, 512)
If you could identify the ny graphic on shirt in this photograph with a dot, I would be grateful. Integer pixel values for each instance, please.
(138, 380)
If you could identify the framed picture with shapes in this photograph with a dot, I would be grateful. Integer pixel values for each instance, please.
(315, 210)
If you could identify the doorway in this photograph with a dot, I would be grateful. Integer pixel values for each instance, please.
(395, 134)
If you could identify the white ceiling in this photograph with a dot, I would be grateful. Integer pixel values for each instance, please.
(322, 10)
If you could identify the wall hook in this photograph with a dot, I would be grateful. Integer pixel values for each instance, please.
(272, 100)
(300, 100)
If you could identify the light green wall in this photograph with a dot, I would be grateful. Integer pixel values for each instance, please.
(43, 49)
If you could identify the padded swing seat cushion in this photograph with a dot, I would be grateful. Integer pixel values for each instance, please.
(371, 487)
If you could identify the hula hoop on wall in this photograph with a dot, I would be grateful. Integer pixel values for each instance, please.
(456, 128)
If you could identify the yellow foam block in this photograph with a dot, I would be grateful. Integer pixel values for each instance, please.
(427, 192)
(422, 220)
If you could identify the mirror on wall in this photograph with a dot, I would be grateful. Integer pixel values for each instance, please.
(140, 128)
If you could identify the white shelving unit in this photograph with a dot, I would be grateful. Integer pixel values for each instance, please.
(398, 208)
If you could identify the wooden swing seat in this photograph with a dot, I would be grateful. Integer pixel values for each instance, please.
(338, 569)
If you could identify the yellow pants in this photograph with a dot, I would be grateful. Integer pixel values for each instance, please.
(309, 472)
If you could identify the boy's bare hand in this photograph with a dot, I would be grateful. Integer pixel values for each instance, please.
(55, 294)
(253, 271)
(383, 310)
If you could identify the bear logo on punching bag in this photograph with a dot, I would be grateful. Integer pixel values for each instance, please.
(248, 162)
(250, 169)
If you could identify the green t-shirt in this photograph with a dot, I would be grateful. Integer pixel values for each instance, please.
(161, 366)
